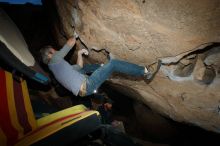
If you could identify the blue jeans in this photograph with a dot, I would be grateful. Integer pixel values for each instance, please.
(89, 68)
(101, 73)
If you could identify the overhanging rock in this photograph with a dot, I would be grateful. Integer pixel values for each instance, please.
(184, 34)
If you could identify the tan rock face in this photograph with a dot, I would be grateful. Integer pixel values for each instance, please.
(181, 33)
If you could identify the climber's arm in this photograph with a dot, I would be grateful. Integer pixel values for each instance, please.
(80, 57)
(67, 47)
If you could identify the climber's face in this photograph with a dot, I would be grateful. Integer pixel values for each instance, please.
(50, 53)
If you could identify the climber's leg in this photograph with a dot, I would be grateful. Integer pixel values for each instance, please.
(103, 73)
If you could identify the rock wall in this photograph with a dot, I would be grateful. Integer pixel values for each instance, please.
(184, 34)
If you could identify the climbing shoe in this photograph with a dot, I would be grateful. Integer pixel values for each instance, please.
(152, 70)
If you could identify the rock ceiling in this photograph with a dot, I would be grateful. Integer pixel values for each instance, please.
(184, 34)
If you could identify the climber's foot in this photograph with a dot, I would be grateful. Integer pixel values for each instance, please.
(152, 70)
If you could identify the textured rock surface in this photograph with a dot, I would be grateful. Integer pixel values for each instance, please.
(142, 31)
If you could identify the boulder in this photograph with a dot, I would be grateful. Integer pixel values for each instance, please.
(144, 31)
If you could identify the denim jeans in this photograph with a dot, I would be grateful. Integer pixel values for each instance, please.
(89, 68)
(101, 73)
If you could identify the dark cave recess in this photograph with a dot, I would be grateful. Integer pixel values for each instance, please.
(143, 123)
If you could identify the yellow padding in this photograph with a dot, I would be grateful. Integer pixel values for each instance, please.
(28, 107)
(52, 128)
(11, 104)
(60, 114)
